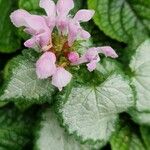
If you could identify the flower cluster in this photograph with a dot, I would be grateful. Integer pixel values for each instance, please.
(55, 35)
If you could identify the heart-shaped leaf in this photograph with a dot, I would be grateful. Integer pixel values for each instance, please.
(91, 111)
(140, 67)
(51, 136)
(22, 84)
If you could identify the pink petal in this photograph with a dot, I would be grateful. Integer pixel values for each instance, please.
(73, 57)
(92, 65)
(72, 33)
(30, 31)
(84, 34)
(36, 23)
(84, 15)
(61, 78)
(62, 24)
(44, 38)
(40, 40)
(51, 22)
(64, 6)
(81, 60)
(33, 22)
(91, 57)
(92, 54)
(31, 43)
(49, 7)
(108, 51)
(18, 17)
(45, 66)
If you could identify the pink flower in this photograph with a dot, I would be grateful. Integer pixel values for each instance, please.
(41, 27)
(34, 25)
(74, 28)
(71, 26)
(46, 67)
(50, 9)
(63, 8)
(91, 57)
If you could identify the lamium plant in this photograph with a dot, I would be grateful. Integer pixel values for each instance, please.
(64, 91)
(55, 35)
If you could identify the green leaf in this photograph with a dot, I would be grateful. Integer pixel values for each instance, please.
(140, 67)
(9, 41)
(107, 66)
(120, 19)
(127, 138)
(22, 84)
(145, 131)
(90, 111)
(51, 136)
(15, 128)
(31, 5)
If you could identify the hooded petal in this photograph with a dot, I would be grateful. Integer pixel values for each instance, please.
(107, 51)
(64, 6)
(18, 17)
(33, 23)
(61, 78)
(84, 15)
(45, 66)
(36, 23)
(49, 7)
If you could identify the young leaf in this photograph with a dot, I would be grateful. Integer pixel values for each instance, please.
(120, 19)
(140, 66)
(22, 84)
(15, 128)
(9, 41)
(126, 138)
(51, 136)
(91, 111)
